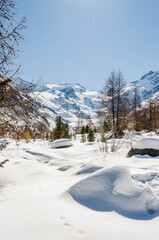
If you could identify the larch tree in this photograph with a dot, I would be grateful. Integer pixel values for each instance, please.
(135, 106)
(10, 36)
(108, 100)
(120, 84)
(114, 99)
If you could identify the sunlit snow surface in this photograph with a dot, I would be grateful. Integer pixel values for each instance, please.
(78, 192)
(114, 189)
(147, 143)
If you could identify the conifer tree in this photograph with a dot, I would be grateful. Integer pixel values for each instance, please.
(61, 130)
(65, 130)
(91, 137)
(87, 129)
(83, 130)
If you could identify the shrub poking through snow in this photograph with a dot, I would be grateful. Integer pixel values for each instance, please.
(2, 163)
(3, 146)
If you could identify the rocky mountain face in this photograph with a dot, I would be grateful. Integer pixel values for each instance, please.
(73, 102)
(147, 85)
(70, 101)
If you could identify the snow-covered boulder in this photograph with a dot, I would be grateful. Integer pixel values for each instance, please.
(60, 143)
(145, 146)
(114, 189)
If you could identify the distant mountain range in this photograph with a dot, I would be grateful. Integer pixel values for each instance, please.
(72, 101)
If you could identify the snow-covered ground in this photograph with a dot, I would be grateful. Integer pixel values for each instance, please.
(78, 192)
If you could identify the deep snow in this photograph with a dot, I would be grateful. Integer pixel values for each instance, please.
(148, 143)
(35, 202)
(114, 189)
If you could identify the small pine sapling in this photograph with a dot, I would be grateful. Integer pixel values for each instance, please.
(91, 137)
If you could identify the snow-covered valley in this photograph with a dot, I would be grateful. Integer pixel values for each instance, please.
(78, 192)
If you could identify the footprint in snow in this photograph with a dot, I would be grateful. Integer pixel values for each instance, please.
(66, 224)
(64, 168)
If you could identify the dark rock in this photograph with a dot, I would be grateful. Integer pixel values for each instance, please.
(146, 151)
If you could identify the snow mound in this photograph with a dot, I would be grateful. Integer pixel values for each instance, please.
(147, 143)
(114, 189)
(61, 143)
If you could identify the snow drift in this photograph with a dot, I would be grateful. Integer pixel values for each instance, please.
(114, 189)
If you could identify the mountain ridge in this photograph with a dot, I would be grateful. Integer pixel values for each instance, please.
(73, 102)
(147, 85)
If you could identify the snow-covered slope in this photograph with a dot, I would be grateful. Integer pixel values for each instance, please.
(70, 101)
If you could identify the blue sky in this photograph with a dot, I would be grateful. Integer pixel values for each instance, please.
(82, 41)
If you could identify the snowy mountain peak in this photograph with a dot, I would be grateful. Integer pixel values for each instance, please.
(64, 87)
(147, 75)
(147, 85)
(70, 101)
